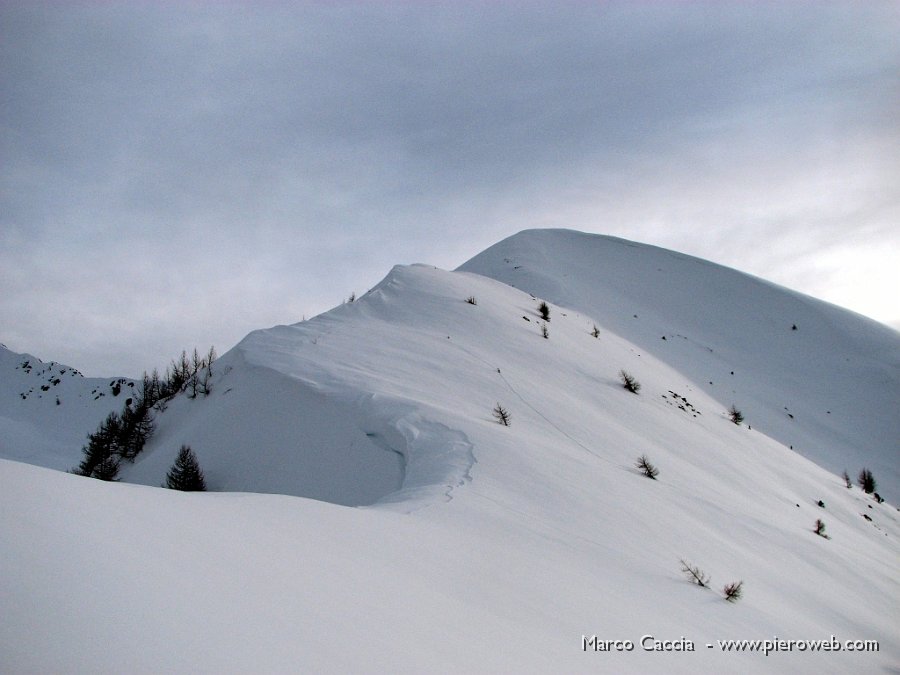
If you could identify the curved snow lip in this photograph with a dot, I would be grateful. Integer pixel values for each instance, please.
(436, 458)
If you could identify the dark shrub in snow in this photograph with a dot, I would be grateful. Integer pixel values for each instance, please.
(502, 415)
(629, 382)
(544, 309)
(867, 481)
(646, 467)
(733, 591)
(694, 573)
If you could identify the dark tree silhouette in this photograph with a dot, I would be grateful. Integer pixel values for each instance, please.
(136, 426)
(733, 591)
(102, 452)
(867, 481)
(646, 467)
(185, 474)
(694, 573)
(544, 309)
(502, 415)
(629, 382)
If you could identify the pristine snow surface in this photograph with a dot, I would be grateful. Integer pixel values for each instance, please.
(475, 547)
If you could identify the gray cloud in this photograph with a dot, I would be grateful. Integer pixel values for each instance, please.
(180, 175)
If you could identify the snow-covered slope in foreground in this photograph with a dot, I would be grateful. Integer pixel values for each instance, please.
(98, 577)
(495, 549)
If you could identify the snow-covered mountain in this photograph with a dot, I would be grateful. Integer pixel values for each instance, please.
(47, 409)
(482, 547)
(816, 377)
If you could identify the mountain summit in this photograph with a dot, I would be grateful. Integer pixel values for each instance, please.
(821, 379)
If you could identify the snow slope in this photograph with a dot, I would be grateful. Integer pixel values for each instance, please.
(487, 548)
(830, 388)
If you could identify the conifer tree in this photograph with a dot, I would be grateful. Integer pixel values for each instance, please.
(867, 481)
(101, 454)
(135, 429)
(193, 381)
(107, 468)
(207, 373)
(646, 467)
(177, 375)
(501, 414)
(629, 382)
(733, 591)
(185, 473)
(153, 390)
(544, 309)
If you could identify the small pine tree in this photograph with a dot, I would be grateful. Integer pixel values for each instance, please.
(153, 391)
(208, 360)
(185, 473)
(203, 381)
(646, 467)
(629, 382)
(694, 573)
(736, 416)
(867, 481)
(545, 332)
(544, 309)
(596, 332)
(177, 375)
(502, 415)
(847, 481)
(820, 528)
(733, 591)
(193, 380)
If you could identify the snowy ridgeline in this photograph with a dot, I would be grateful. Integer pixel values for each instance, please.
(490, 546)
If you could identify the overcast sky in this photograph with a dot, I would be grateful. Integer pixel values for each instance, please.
(179, 174)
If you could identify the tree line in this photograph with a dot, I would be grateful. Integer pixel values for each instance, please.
(122, 436)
